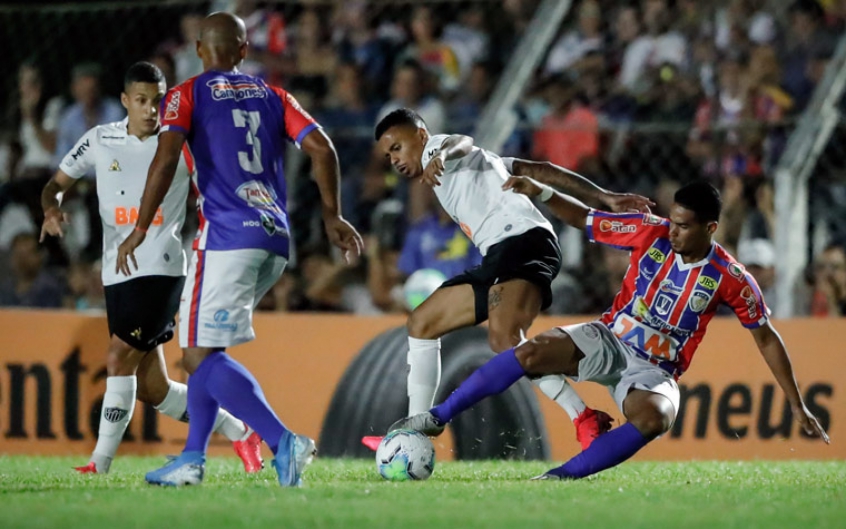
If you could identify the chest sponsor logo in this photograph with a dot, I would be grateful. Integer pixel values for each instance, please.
(656, 255)
(222, 89)
(751, 301)
(668, 286)
(698, 301)
(126, 216)
(256, 195)
(616, 226)
(172, 108)
(707, 282)
(654, 343)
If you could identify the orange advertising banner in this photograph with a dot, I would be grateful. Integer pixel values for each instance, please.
(52, 378)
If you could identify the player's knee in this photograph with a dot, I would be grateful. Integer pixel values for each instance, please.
(421, 326)
(530, 357)
(503, 340)
(150, 393)
(652, 421)
(119, 358)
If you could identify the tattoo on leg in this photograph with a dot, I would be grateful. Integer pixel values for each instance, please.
(494, 297)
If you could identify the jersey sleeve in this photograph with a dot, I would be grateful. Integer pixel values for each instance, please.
(298, 122)
(432, 147)
(176, 108)
(627, 231)
(745, 298)
(80, 160)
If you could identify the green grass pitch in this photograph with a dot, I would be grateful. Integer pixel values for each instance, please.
(44, 492)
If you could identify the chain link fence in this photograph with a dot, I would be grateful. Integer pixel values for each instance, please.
(639, 96)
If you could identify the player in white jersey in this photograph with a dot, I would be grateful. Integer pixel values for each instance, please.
(140, 309)
(520, 252)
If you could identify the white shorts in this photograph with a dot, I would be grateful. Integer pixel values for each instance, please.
(612, 363)
(221, 290)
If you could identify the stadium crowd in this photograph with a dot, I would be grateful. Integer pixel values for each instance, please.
(640, 95)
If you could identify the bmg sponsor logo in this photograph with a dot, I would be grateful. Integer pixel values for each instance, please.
(221, 322)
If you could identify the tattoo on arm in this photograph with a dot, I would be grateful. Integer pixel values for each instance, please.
(494, 297)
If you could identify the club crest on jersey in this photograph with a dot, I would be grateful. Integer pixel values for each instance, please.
(256, 195)
(115, 166)
(616, 226)
(663, 304)
(114, 414)
(698, 301)
(656, 255)
(708, 282)
(222, 89)
(736, 270)
(172, 109)
(651, 220)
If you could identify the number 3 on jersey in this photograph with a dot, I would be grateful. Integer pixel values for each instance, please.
(251, 120)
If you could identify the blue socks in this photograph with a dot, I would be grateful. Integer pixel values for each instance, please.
(606, 451)
(220, 381)
(497, 375)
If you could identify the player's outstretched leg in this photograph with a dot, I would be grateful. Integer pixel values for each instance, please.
(589, 423)
(171, 399)
(649, 414)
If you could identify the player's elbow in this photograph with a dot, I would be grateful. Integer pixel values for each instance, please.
(317, 145)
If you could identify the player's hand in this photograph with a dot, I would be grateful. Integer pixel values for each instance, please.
(523, 185)
(810, 423)
(126, 251)
(342, 234)
(52, 225)
(433, 171)
(624, 202)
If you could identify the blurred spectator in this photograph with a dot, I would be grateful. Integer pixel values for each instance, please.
(660, 45)
(625, 30)
(39, 117)
(436, 242)
(741, 24)
(164, 61)
(333, 285)
(466, 109)
(467, 36)
(357, 42)
(570, 132)
(408, 90)
(427, 49)
(187, 63)
(85, 286)
(576, 44)
(268, 38)
(806, 30)
(89, 109)
(314, 56)
(30, 285)
(758, 256)
(829, 283)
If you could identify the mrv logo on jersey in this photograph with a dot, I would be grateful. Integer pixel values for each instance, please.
(222, 89)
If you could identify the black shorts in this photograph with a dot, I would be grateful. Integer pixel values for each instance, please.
(533, 256)
(141, 311)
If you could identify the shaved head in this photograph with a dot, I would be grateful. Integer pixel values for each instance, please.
(223, 41)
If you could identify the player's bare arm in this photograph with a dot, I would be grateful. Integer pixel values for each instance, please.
(159, 177)
(454, 147)
(54, 217)
(565, 207)
(327, 174)
(775, 354)
(577, 185)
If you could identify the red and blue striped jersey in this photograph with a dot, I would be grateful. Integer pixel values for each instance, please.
(665, 304)
(237, 127)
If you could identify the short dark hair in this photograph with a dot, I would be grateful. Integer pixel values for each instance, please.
(702, 199)
(143, 72)
(398, 118)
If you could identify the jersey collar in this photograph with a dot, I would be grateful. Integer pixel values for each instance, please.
(681, 265)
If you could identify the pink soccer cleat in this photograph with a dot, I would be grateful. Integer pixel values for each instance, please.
(371, 441)
(590, 425)
(90, 468)
(249, 450)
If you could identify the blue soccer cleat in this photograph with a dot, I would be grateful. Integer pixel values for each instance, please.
(187, 469)
(294, 453)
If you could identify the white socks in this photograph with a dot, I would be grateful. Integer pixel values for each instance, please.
(558, 389)
(118, 405)
(424, 373)
(175, 404)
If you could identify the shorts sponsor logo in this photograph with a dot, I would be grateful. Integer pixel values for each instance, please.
(172, 108)
(114, 414)
(256, 195)
(652, 220)
(748, 296)
(129, 216)
(708, 282)
(221, 322)
(652, 342)
(668, 286)
(222, 89)
(698, 301)
(616, 226)
(590, 331)
(656, 255)
(736, 270)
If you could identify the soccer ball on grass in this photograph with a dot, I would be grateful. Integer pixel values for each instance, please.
(405, 455)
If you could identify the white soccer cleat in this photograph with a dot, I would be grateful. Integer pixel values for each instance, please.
(187, 469)
(425, 423)
(294, 454)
